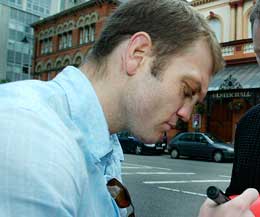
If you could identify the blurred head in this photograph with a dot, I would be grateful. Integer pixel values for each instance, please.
(255, 22)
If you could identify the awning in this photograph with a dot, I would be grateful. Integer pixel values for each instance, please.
(244, 76)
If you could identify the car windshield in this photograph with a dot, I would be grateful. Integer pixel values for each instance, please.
(213, 138)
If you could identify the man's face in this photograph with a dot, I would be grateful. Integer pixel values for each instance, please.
(256, 39)
(155, 104)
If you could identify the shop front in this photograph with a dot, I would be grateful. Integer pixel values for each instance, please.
(231, 93)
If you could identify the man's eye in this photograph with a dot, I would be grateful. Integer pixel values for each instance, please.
(187, 92)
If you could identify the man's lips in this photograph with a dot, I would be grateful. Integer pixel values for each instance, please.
(170, 126)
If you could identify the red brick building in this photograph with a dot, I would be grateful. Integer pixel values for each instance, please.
(66, 38)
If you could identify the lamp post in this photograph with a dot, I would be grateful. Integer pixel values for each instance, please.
(26, 41)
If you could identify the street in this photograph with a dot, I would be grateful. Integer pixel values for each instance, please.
(163, 187)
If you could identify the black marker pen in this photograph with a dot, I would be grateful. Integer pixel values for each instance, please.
(215, 194)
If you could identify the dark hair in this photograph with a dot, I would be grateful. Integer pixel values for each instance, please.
(173, 26)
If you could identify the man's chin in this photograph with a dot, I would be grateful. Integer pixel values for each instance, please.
(150, 140)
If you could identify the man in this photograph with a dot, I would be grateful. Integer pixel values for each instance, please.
(255, 22)
(245, 172)
(55, 136)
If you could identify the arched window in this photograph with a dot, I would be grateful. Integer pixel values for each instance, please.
(48, 67)
(216, 27)
(39, 68)
(78, 61)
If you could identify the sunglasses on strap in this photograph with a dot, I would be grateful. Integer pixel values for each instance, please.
(121, 195)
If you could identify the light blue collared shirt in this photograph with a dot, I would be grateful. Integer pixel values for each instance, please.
(56, 153)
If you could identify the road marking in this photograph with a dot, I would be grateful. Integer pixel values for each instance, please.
(129, 167)
(157, 173)
(137, 166)
(184, 181)
(224, 176)
(180, 191)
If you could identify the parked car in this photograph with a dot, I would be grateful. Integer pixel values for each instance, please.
(131, 144)
(201, 145)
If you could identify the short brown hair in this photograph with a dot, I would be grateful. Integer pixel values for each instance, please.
(173, 26)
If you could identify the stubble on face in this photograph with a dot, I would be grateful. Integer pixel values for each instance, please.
(142, 107)
(153, 104)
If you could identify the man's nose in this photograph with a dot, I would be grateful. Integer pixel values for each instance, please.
(184, 112)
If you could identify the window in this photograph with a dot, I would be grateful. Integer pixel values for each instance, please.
(249, 28)
(18, 58)
(67, 62)
(12, 34)
(69, 39)
(78, 61)
(48, 67)
(35, 7)
(10, 56)
(81, 35)
(41, 9)
(200, 138)
(26, 58)
(216, 27)
(46, 46)
(64, 39)
(58, 65)
(86, 34)
(60, 42)
(92, 33)
(186, 137)
(50, 45)
(41, 45)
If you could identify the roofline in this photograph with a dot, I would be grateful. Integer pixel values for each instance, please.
(71, 10)
(195, 3)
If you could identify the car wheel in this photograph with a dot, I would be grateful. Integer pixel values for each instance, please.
(138, 150)
(217, 156)
(174, 154)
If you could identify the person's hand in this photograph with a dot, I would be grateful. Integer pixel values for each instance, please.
(237, 207)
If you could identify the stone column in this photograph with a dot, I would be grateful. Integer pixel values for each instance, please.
(232, 21)
(239, 23)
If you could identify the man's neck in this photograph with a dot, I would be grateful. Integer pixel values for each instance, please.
(108, 90)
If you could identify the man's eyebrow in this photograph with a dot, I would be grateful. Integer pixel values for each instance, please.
(193, 83)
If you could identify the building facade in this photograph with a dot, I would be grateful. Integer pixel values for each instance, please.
(16, 39)
(236, 88)
(66, 38)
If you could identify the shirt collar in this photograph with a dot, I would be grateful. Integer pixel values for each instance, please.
(86, 111)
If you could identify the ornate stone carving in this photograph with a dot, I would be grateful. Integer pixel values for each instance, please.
(230, 83)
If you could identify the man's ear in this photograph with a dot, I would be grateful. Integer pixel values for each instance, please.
(139, 47)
